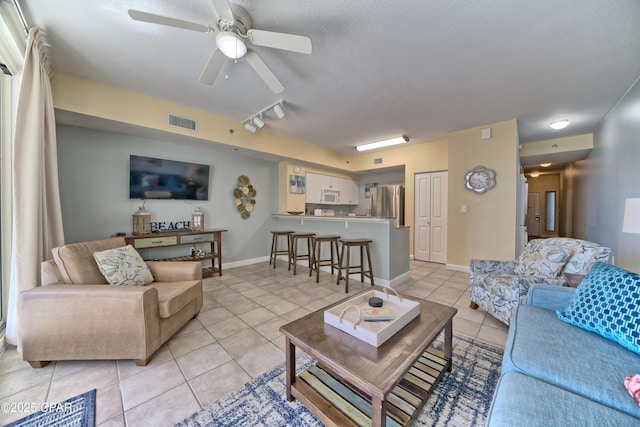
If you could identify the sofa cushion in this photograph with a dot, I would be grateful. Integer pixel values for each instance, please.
(581, 362)
(542, 259)
(520, 400)
(173, 296)
(76, 263)
(123, 266)
(607, 302)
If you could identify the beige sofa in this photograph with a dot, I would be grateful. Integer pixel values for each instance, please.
(76, 315)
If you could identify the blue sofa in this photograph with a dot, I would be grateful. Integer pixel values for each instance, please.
(557, 374)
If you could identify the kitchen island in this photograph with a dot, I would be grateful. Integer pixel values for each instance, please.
(389, 250)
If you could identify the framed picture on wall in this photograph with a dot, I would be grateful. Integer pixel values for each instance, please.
(296, 184)
(367, 189)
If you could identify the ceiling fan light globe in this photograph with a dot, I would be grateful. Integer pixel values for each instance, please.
(230, 45)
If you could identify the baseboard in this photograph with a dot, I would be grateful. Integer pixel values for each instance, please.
(244, 262)
(462, 268)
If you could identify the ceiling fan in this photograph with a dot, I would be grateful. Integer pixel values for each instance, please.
(232, 28)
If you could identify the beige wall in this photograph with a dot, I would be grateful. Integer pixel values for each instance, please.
(88, 97)
(423, 157)
(488, 229)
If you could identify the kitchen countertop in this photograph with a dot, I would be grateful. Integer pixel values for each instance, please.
(338, 218)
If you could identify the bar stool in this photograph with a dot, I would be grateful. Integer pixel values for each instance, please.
(317, 261)
(293, 253)
(274, 246)
(348, 244)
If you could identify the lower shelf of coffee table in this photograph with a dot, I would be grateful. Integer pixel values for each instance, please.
(337, 403)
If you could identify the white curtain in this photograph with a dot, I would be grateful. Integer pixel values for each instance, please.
(36, 214)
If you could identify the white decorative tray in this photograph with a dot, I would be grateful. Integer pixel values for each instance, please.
(348, 316)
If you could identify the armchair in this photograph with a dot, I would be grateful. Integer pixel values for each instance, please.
(76, 315)
(500, 286)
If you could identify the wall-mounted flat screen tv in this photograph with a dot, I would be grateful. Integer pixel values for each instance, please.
(151, 178)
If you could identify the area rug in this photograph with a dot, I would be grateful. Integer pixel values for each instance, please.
(79, 411)
(462, 398)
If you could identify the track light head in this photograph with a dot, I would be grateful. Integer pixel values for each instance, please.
(251, 128)
(279, 111)
(257, 121)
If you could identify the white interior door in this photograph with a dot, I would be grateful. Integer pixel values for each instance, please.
(422, 217)
(430, 218)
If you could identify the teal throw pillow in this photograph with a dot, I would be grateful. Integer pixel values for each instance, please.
(607, 302)
(542, 260)
(123, 266)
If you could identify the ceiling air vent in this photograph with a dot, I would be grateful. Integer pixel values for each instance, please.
(377, 161)
(183, 122)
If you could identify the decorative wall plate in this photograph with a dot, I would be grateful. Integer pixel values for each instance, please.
(480, 179)
(244, 195)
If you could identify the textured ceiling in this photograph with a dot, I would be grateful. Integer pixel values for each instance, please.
(378, 68)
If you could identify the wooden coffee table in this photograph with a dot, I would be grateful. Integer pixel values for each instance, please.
(354, 383)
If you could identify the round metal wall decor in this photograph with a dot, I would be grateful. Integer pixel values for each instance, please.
(244, 195)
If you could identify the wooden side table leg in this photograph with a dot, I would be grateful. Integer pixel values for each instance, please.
(379, 411)
(290, 361)
(448, 343)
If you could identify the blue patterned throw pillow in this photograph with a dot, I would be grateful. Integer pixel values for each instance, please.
(123, 266)
(607, 302)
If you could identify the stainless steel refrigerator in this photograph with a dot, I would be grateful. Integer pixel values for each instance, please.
(387, 201)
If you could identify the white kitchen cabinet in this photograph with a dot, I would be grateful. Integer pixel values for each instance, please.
(315, 183)
(349, 191)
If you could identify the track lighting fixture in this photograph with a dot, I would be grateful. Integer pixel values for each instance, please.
(250, 127)
(279, 111)
(256, 121)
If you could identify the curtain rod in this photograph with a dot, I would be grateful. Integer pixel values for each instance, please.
(21, 16)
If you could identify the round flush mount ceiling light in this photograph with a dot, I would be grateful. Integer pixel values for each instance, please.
(559, 124)
(230, 45)
(545, 165)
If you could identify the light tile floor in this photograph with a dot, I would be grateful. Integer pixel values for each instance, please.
(234, 339)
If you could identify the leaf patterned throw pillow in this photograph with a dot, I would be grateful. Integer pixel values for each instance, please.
(542, 260)
(123, 266)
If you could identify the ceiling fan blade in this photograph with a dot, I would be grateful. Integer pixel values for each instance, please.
(264, 72)
(292, 42)
(138, 15)
(213, 67)
(223, 8)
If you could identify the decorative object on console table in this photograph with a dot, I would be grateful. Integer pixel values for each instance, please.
(244, 195)
(197, 220)
(212, 238)
(141, 221)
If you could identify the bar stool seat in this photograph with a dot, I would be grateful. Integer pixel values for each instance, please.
(274, 246)
(347, 244)
(294, 256)
(318, 261)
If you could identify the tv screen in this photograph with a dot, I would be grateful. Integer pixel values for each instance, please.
(151, 178)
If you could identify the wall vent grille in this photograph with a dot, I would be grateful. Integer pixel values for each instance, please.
(377, 161)
(183, 122)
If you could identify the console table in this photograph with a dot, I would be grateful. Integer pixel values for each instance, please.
(212, 238)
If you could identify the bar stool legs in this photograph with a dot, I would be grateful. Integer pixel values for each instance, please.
(347, 244)
(293, 253)
(317, 261)
(274, 246)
